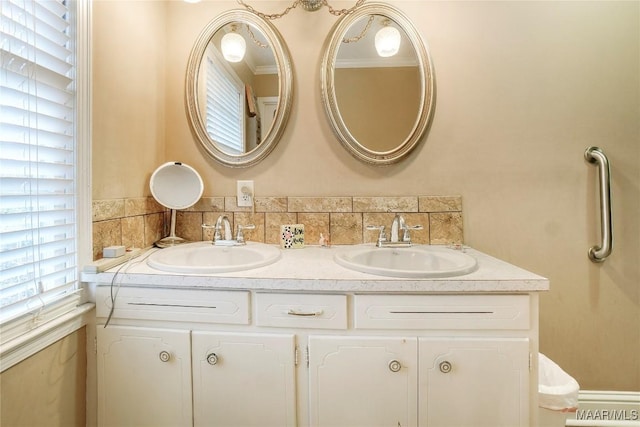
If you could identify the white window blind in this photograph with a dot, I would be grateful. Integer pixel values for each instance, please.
(38, 237)
(225, 106)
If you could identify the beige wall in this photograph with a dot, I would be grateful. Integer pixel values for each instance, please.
(128, 108)
(47, 389)
(266, 85)
(379, 106)
(522, 89)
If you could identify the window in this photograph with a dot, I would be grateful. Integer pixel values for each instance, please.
(225, 105)
(40, 159)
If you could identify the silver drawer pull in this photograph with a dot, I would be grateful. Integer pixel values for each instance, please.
(164, 356)
(293, 312)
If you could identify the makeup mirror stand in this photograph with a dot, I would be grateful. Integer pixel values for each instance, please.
(175, 185)
(171, 239)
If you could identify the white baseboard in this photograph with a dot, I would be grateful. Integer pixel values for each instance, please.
(606, 409)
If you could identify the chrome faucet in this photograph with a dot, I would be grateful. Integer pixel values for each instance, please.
(398, 225)
(224, 225)
(222, 220)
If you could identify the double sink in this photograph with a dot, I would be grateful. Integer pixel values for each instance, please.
(417, 261)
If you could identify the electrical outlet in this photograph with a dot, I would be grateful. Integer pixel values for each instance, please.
(245, 193)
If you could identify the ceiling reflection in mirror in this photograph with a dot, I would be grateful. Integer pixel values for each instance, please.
(378, 98)
(238, 93)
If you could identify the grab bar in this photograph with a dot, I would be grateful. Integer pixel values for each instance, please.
(600, 253)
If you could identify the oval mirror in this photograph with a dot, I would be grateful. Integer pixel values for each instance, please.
(377, 84)
(238, 88)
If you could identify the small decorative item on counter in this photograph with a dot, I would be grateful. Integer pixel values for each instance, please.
(292, 236)
(324, 241)
(456, 247)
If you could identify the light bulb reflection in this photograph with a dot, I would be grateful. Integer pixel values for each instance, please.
(387, 41)
(233, 47)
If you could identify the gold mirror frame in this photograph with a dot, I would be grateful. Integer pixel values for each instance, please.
(285, 81)
(328, 92)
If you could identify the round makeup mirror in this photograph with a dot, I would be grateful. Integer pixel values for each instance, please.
(377, 84)
(175, 185)
(238, 90)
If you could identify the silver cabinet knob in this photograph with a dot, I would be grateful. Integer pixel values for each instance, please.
(445, 367)
(212, 359)
(395, 366)
(164, 356)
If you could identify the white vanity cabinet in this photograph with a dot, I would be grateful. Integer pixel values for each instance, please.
(330, 358)
(363, 381)
(144, 376)
(471, 358)
(149, 376)
(409, 381)
(243, 380)
(160, 376)
(479, 382)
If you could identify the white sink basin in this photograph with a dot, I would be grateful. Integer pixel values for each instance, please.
(418, 261)
(203, 257)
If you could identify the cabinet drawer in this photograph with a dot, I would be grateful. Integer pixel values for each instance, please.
(179, 305)
(442, 311)
(301, 310)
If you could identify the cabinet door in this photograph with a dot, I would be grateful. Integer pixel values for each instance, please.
(243, 379)
(144, 377)
(362, 381)
(474, 382)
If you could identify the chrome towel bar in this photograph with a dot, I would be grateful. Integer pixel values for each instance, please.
(600, 253)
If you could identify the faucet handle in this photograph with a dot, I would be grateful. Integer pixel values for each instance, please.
(405, 236)
(240, 235)
(216, 234)
(382, 237)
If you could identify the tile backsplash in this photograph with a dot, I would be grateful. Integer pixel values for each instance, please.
(140, 222)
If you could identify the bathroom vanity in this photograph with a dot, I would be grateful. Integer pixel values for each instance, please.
(307, 342)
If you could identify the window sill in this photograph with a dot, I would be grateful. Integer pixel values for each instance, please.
(18, 349)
